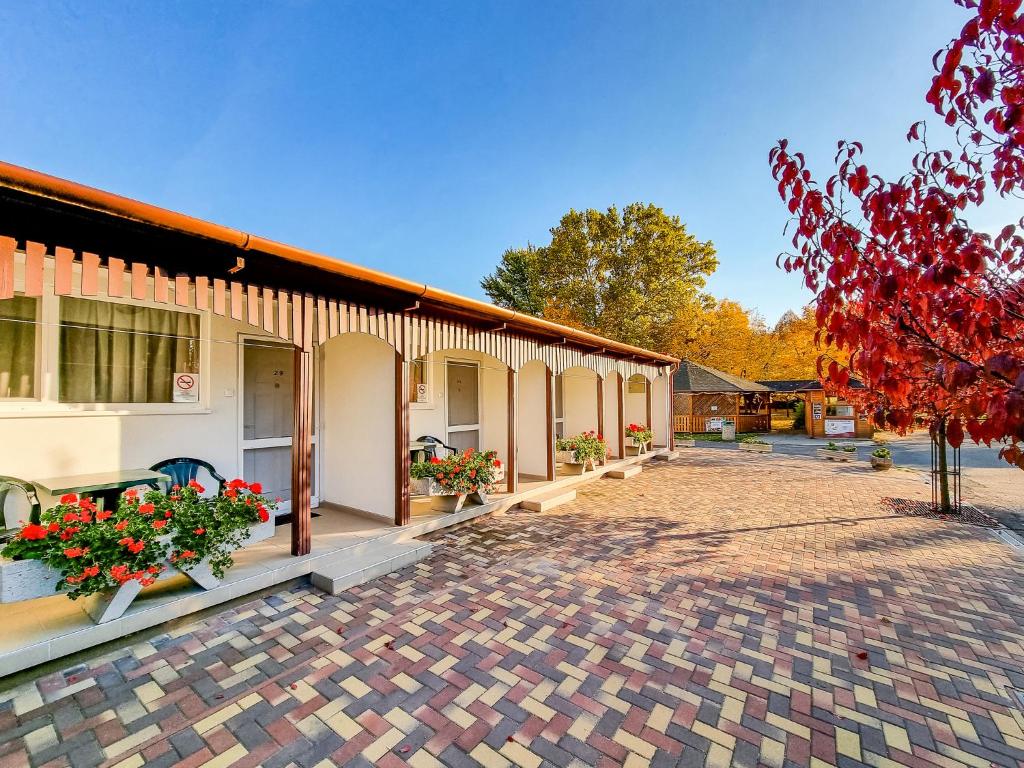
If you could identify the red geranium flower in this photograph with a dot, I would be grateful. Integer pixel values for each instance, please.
(264, 515)
(231, 493)
(237, 483)
(434, 460)
(121, 525)
(75, 551)
(147, 509)
(137, 547)
(131, 493)
(53, 527)
(158, 524)
(256, 487)
(195, 486)
(69, 498)
(71, 517)
(103, 514)
(199, 531)
(497, 462)
(33, 532)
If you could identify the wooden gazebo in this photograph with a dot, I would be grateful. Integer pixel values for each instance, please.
(703, 396)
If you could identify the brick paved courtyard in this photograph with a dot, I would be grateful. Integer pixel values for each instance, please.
(723, 609)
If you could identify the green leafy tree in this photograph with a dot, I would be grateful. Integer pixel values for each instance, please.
(516, 281)
(635, 275)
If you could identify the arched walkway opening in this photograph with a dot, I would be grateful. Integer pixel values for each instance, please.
(535, 398)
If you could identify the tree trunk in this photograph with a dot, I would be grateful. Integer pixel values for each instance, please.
(940, 444)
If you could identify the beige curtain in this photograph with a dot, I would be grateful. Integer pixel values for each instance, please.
(18, 347)
(118, 353)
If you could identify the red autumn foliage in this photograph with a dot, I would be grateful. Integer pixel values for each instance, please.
(927, 311)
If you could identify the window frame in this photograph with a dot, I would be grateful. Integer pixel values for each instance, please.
(37, 372)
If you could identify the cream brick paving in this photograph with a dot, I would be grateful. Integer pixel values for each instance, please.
(723, 609)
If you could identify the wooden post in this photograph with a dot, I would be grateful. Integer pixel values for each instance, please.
(302, 432)
(402, 458)
(600, 406)
(620, 397)
(511, 465)
(549, 411)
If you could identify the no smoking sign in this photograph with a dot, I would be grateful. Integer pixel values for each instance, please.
(186, 388)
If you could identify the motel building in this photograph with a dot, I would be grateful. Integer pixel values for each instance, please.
(131, 335)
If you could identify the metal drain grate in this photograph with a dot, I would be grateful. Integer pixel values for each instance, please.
(1008, 537)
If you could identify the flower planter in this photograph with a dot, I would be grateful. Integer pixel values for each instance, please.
(880, 464)
(571, 464)
(755, 447)
(840, 455)
(26, 580)
(636, 448)
(440, 499)
(107, 606)
(482, 496)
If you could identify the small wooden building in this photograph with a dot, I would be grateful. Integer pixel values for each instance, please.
(825, 413)
(704, 396)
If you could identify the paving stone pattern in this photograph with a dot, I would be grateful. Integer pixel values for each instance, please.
(722, 609)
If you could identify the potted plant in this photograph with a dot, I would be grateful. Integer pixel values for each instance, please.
(109, 556)
(580, 451)
(639, 437)
(450, 480)
(754, 444)
(835, 452)
(881, 459)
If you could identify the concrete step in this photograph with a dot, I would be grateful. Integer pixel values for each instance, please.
(622, 474)
(337, 575)
(669, 455)
(548, 500)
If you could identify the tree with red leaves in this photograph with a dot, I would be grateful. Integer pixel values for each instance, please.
(927, 311)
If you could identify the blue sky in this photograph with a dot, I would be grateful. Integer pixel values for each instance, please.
(425, 138)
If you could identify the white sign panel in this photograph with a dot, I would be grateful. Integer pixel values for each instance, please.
(186, 388)
(839, 428)
(713, 424)
(422, 394)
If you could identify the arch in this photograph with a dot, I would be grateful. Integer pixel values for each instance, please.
(613, 414)
(661, 411)
(637, 399)
(581, 411)
(357, 442)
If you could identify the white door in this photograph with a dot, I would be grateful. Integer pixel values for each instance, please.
(463, 406)
(267, 386)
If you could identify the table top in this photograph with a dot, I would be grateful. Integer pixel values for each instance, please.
(98, 481)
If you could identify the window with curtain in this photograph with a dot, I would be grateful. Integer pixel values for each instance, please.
(119, 353)
(18, 347)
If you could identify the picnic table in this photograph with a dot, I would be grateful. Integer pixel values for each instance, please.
(103, 487)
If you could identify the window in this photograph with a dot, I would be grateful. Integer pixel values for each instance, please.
(120, 353)
(18, 347)
(835, 408)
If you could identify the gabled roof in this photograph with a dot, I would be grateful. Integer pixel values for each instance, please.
(693, 377)
(803, 385)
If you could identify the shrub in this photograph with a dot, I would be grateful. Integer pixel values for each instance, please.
(882, 453)
(460, 473)
(587, 446)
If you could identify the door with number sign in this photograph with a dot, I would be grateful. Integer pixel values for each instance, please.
(266, 394)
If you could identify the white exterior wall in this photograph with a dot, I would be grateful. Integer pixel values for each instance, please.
(431, 418)
(579, 400)
(357, 431)
(635, 411)
(660, 411)
(532, 413)
(611, 414)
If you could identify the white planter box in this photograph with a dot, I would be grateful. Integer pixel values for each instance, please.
(571, 464)
(686, 443)
(26, 580)
(840, 455)
(30, 579)
(755, 447)
(635, 448)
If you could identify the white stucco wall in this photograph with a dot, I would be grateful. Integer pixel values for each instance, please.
(611, 414)
(358, 424)
(636, 406)
(660, 410)
(431, 418)
(532, 413)
(579, 400)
